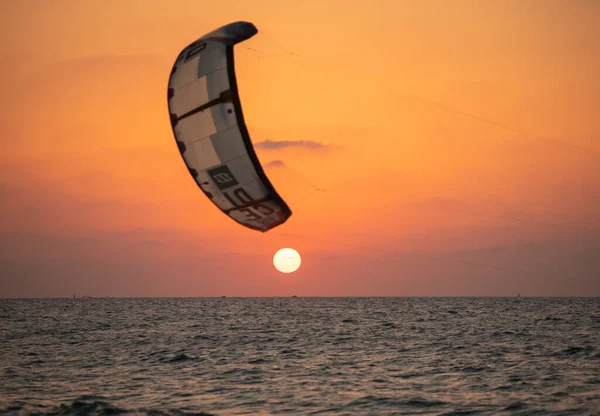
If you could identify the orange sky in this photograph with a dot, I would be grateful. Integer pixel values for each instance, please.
(416, 198)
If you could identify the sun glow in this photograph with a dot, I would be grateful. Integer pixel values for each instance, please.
(287, 260)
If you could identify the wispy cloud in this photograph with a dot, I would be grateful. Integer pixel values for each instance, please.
(306, 144)
(151, 243)
(275, 164)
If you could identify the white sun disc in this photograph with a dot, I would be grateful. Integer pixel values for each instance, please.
(287, 260)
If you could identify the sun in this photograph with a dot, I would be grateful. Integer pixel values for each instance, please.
(287, 260)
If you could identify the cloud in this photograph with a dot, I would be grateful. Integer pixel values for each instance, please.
(275, 164)
(151, 243)
(443, 203)
(306, 144)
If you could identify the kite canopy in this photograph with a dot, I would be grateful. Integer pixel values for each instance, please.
(208, 124)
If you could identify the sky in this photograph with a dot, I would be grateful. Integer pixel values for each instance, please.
(426, 148)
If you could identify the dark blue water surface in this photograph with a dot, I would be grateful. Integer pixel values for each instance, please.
(331, 356)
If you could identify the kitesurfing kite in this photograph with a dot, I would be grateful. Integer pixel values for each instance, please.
(209, 128)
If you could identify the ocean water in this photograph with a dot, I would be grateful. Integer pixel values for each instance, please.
(301, 356)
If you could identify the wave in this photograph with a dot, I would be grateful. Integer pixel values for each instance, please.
(91, 405)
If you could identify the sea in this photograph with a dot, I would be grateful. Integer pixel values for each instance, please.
(300, 356)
